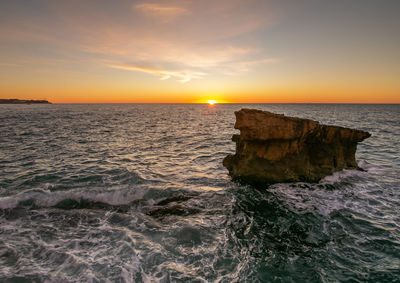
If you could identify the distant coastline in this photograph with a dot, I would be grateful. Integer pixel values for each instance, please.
(20, 101)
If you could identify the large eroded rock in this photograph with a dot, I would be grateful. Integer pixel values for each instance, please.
(275, 148)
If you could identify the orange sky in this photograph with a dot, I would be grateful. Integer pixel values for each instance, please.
(191, 51)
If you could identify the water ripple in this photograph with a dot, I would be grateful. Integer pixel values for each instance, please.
(138, 193)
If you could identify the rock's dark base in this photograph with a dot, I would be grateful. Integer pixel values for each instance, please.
(273, 148)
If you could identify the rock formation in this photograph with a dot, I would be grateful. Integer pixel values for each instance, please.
(275, 148)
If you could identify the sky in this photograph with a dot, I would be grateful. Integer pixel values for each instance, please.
(188, 51)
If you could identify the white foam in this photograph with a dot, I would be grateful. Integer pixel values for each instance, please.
(340, 176)
(46, 198)
(304, 197)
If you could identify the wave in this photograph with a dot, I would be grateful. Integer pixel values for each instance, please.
(121, 199)
(46, 198)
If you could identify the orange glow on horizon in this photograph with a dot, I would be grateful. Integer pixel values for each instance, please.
(100, 92)
(278, 96)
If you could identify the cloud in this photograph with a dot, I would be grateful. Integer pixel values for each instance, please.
(9, 65)
(181, 76)
(165, 13)
(184, 39)
(245, 66)
(188, 73)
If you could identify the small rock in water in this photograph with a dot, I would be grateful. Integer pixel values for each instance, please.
(273, 148)
(178, 198)
(176, 209)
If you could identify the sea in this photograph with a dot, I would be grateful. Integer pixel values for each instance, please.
(138, 193)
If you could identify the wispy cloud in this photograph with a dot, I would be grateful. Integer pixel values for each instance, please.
(164, 13)
(9, 65)
(245, 66)
(180, 76)
(176, 39)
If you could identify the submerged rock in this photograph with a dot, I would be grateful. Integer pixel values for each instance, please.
(177, 209)
(173, 205)
(274, 148)
(178, 198)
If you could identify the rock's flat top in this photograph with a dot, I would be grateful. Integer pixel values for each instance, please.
(263, 125)
(276, 148)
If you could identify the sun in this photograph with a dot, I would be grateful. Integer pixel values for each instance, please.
(211, 102)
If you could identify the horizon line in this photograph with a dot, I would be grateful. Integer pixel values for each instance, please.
(394, 103)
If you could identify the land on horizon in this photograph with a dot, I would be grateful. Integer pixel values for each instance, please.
(20, 101)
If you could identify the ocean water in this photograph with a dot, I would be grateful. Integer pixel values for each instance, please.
(138, 193)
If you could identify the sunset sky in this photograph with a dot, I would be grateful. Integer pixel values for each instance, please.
(196, 50)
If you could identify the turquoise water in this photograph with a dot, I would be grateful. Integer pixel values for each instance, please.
(137, 192)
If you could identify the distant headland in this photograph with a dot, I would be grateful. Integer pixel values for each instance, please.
(19, 101)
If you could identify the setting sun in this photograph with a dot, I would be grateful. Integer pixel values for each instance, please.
(212, 102)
